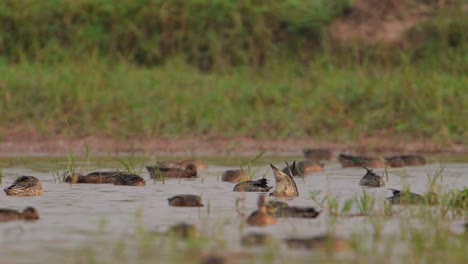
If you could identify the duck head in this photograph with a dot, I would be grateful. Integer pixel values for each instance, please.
(191, 170)
(30, 213)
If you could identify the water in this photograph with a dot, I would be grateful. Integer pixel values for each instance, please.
(73, 216)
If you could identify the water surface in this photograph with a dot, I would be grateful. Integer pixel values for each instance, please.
(76, 215)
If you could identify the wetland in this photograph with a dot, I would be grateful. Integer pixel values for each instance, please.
(105, 223)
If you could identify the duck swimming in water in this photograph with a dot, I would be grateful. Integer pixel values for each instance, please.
(319, 242)
(185, 200)
(200, 165)
(406, 160)
(261, 217)
(282, 209)
(361, 161)
(235, 176)
(111, 177)
(97, 177)
(157, 172)
(252, 186)
(29, 213)
(317, 154)
(256, 239)
(408, 198)
(129, 180)
(184, 231)
(371, 179)
(285, 186)
(25, 186)
(303, 168)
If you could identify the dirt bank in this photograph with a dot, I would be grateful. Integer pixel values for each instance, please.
(214, 145)
(379, 21)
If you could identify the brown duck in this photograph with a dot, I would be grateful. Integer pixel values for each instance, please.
(406, 160)
(235, 176)
(185, 200)
(97, 177)
(303, 168)
(261, 217)
(182, 164)
(107, 177)
(317, 154)
(158, 172)
(361, 161)
(29, 213)
(25, 186)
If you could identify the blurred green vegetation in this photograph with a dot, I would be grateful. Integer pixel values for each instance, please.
(253, 68)
(206, 33)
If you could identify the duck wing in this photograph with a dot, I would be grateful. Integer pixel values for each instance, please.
(24, 182)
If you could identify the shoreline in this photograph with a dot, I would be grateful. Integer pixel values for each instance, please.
(214, 145)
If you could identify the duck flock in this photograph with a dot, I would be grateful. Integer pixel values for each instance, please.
(268, 210)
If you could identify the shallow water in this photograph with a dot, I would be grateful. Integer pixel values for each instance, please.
(76, 215)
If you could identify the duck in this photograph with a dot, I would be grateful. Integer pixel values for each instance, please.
(97, 177)
(371, 179)
(409, 198)
(185, 200)
(184, 231)
(317, 154)
(319, 242)
(406, 160)
(104, 177)
(183, 164)
(255, 239)
(25, 186)
(282, 209)
(29, 213)
(285, 186)
(361, 161)
(261, 217)
(157, 172)
(395, 162)
(303, 167)
(235, 176)
(253, 186)
(129, 180)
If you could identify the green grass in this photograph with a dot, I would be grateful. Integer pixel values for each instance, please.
(90, 67)
(208, 34)
(325, 101)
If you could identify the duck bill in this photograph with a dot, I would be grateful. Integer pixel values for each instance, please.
(279, 175)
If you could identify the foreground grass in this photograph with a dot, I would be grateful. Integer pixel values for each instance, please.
(324, 100)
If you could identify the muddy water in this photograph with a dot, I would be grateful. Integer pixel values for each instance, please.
(76, 215)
